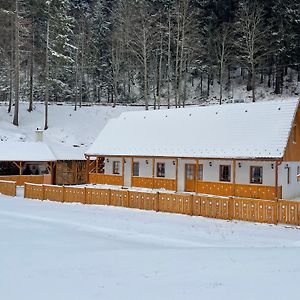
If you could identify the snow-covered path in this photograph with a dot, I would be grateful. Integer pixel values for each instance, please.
(70, 251)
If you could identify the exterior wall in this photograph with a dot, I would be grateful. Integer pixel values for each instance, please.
(292, 151)
(243, 172)
(108, 165)
(170, 168)
(127, 172)
(211, 173)
(145, 167)
(289, 190)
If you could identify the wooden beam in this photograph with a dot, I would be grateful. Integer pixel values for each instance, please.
(196, 175)
(153, 171)
(132, 162)
(87, 171)
(176, 180)
(123, 171)
(233, 176)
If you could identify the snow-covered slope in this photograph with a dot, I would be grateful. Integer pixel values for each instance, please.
(65, 125)
(74, 252)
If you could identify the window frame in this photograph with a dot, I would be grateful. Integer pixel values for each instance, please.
(220, 173)
(262, 174)
(200, 167)
(298, 173)
(136, 163)
(158, 170)
(116, 167)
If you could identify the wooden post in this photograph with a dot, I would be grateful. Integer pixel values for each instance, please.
(123, 171)
(234, 177)
(276, 192)
(153, 171)
(176, 180)
(196, 176)
(20, 168)
(192, 204)
(132, 162)
(87, 169)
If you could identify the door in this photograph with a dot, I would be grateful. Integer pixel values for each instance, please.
(190, 178)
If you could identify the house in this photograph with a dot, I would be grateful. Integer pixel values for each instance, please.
(40, 162)
(31, 161)
(245, 150)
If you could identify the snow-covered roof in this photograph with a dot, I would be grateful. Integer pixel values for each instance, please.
(25, 151)
(245, 130)
(67, 152)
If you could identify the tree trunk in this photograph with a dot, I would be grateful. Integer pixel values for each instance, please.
(278, 80)
(11, 73)
(47, 70)
(31, 75)
(253, 83)
(17, 67)
(169, 57)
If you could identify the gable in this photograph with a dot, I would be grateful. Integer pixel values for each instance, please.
(292, 151)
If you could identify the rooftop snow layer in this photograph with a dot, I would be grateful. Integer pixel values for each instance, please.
(67, 152)
(245, 130)
(25, 151)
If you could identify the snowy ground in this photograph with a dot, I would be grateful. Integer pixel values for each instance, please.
(70, 251)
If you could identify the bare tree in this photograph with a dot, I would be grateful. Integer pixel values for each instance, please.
(17, 65)
(47, 67)
(252, 39)
(223, 50)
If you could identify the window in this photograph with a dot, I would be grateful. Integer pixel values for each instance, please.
(190, 171)
(116, 167)
(298, 173)
(256, 175)
(136, 169)
(294, 134)
(160, 170)
(225, 173)
(200, 172)
(288, 174)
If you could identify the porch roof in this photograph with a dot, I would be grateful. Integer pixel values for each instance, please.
(25, 151)
(244, 130)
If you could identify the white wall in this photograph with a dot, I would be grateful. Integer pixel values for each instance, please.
(243, 172)
(127, 172)
(292, 190)
(108, 165)
(170, 168)
(145, 166)
(211, 173)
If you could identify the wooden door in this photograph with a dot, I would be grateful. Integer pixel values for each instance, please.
(190, 178)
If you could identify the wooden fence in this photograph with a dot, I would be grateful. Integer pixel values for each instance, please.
(8, 188)
(228, 208)
(21, 179)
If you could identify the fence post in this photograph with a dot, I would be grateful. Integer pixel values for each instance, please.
(192, 204)
(43, 192)
(157, 202)
(109, 197)
(84, 195)
(25, 190)
(276, 212)
(231, 208)
(63, 194)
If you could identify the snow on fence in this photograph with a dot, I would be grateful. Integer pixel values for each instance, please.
(228, 208)
(8, 188)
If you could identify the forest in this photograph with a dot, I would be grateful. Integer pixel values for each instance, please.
(147, 52)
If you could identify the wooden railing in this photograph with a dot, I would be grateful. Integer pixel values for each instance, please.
(8, 188)
(154, 183)
(96, 178)
(21, 179)
(255, 191)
